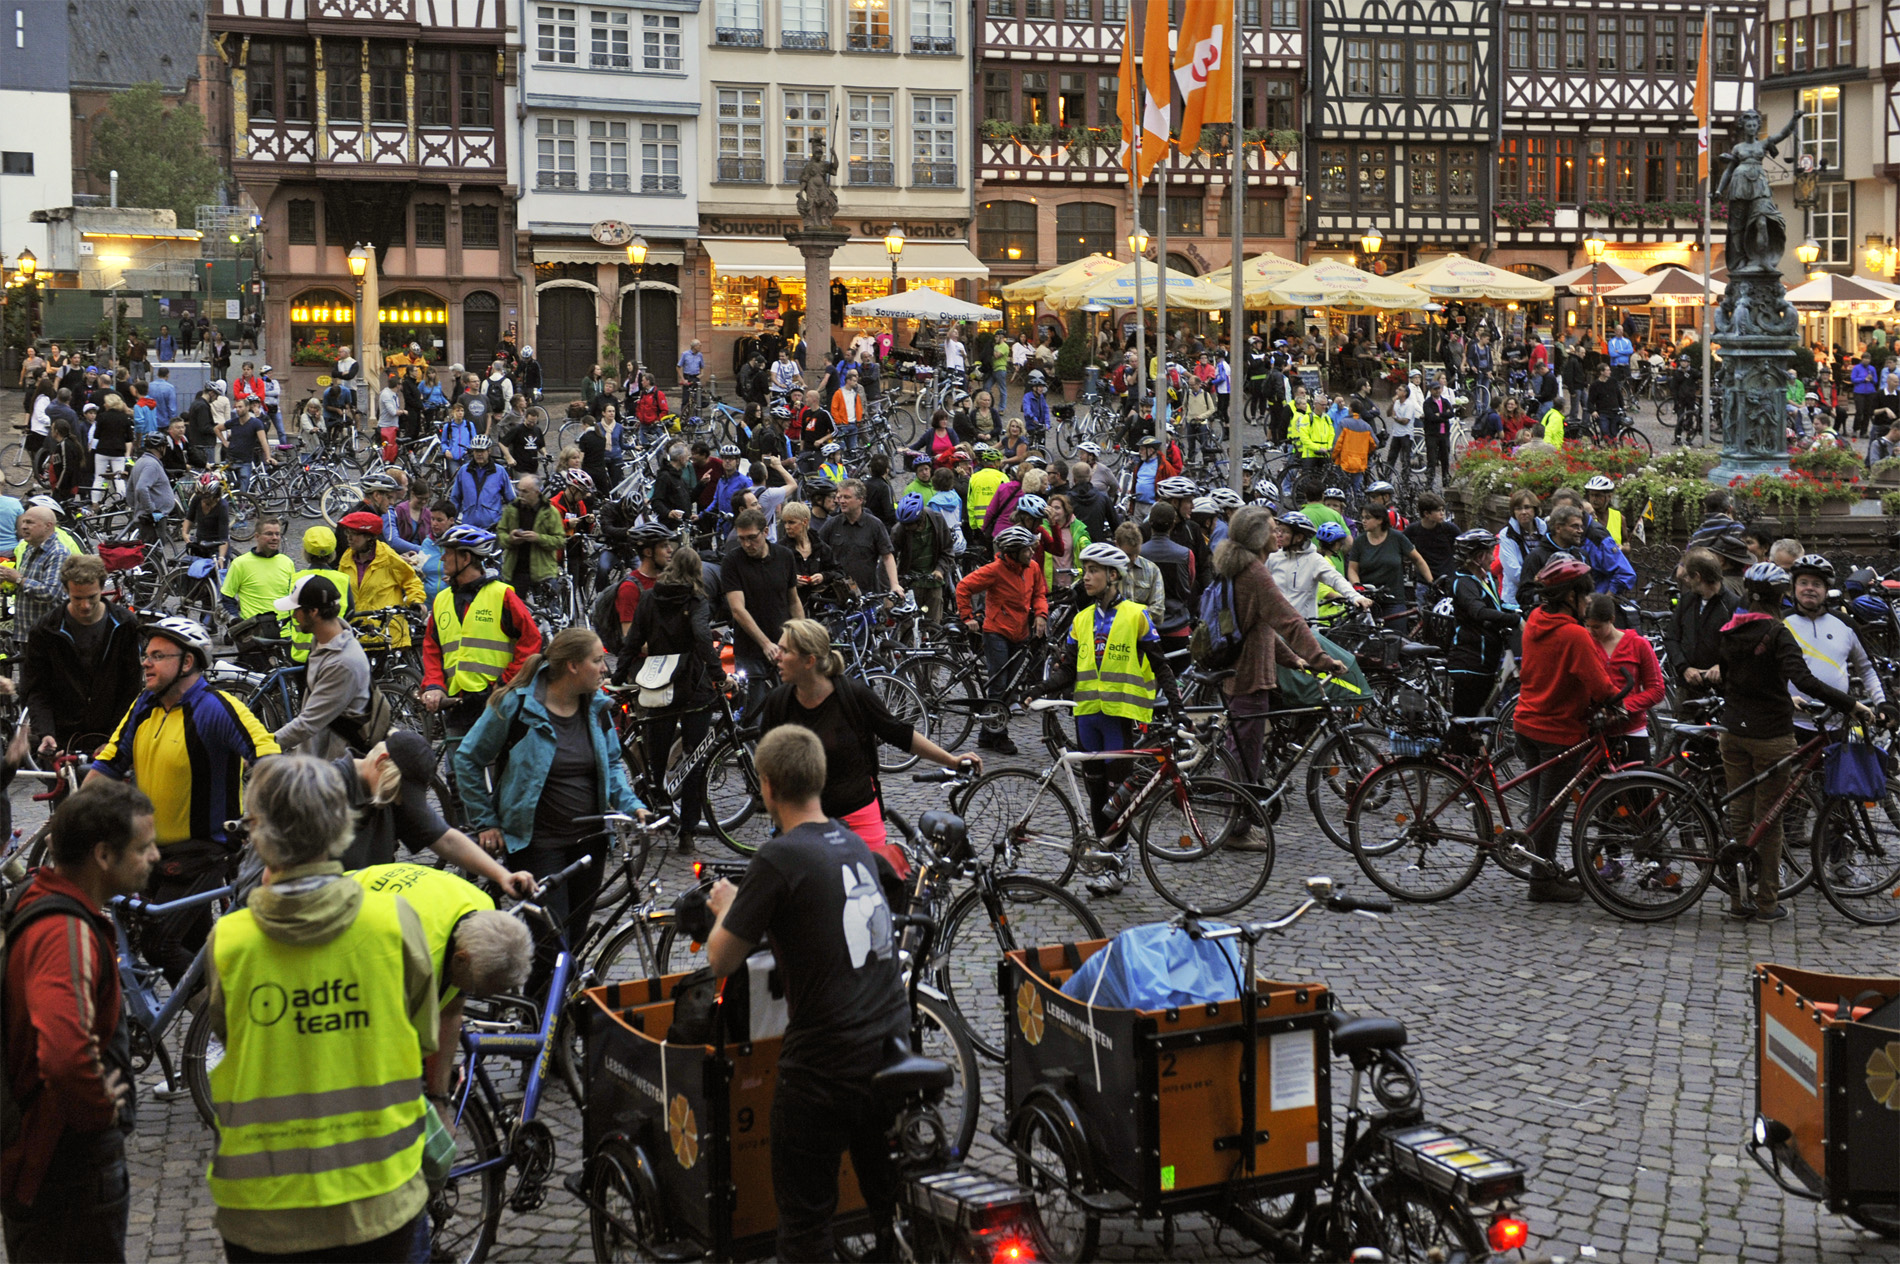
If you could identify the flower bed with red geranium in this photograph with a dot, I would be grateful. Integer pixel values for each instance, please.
(1793, 491)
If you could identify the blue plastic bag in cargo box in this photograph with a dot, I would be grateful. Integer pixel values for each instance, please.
(1157, 967)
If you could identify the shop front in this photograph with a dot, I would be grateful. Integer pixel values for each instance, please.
(750, 280)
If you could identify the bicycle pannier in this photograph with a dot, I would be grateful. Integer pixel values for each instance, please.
(1855, 770)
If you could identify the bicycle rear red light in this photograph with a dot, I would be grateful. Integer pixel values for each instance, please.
(1013, 1251)
(1508, 1233)
(699, 867)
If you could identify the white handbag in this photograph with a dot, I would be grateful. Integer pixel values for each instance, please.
(656, 680)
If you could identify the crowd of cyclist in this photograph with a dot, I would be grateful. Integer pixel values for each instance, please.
(1117, 563)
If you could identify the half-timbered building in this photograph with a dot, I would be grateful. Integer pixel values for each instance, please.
(1598, 134)
(383, 122)
(1050, 187)
(1404, 101)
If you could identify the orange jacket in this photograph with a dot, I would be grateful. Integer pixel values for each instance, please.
(1018, 595)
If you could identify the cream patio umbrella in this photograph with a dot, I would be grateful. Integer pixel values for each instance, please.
(1841, 296)
(1059, 277)
(924, 304)
(1671, 287)
(1456, 277)
(1116, 290)
(1256, 275)
(1345, 288)
(1595, 278)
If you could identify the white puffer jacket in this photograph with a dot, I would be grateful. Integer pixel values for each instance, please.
(1300, 574)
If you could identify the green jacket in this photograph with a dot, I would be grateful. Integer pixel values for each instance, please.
(543, 557)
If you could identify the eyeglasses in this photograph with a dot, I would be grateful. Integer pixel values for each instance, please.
(160, 658)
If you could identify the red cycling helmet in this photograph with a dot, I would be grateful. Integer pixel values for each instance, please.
(1561, 574)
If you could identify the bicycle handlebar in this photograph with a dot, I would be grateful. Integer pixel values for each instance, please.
(137, 904)
(555, 881)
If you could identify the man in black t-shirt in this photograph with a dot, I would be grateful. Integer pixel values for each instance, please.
(759, 580)
(814, 891)
(1433, 535)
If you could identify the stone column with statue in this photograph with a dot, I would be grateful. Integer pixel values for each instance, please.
(1756, 327)
(817, 239)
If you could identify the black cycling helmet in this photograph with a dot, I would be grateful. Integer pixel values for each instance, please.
(1473, 542)
(648, 534)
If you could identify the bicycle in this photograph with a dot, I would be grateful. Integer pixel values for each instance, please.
(152, 1018)
(1192, 829)
(725, 754)
(1622, 432)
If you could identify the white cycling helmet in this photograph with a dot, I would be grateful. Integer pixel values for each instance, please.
(1106, 555)
(1600, 483)
(1227, 498)
(1093, 449)
(1033, 504)
(186, 635)
(1177, 488)
(1204, 505)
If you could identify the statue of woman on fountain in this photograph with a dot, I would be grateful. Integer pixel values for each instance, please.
(1757, 235)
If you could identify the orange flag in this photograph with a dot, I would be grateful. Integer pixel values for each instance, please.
(1203, 69)
(1158, 90)
(1702, 105)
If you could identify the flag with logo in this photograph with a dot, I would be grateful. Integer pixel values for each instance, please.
(1203, 69)
(1157, 97)
(1702, 105)
(1127, 98)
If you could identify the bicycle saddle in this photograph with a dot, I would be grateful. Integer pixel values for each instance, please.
(1475, 721)
(905, 1074)
(1363, 1035)
(1417, 649)
(946, 833)
(1698, 730)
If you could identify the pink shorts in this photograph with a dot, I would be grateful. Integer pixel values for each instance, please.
(868, 823)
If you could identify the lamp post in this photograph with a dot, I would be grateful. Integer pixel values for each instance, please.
(1806, 253)
(1370, 242)
(637, 256)
(28, 266)
(1593, 248)
(894, 247)
(359, 265)
(1138, 246)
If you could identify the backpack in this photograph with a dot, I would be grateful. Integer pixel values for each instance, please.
(1438, 619)
(497, 400)
(1216, 643)
(11, 922)
(604, 617)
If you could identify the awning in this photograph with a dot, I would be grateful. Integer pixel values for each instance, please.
(600, 254)
(761, 256)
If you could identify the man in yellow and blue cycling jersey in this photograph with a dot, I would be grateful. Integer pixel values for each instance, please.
(186, 745)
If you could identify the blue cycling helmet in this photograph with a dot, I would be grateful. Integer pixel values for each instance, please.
(1869, 606)
(910, 508)
(473, 539)
(1331, 533)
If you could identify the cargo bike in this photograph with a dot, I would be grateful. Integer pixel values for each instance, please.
(678, 1133)
(1225, 1111)
(1827, 1091)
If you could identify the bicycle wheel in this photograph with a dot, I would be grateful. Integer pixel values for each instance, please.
(970, 948)
(1028, 828)
(951, 698)
(465, 1213)
(1418, 830)
(1206, 845)
(1635, 440)
(245, 511)
(907, 707)
(202, 1051)
(904, 425)
(16, 464)
(1333, 774)
(1644, 845)
(936, 1033)
(733, 805)
(625, 1213)
(1419, 1224)
(338, 499)
(1855, 859)
(1052, 1166)
(185, 595)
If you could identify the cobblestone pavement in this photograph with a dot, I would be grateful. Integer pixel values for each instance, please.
(1612, 1059)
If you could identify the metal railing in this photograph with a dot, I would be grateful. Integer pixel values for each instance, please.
(808, 41)
(741, 171)
(933, 44)
(608, 182)
(659, 184)
(942, 175)
(739, 37)
(868, 42)
(872, 173)
(610, 61)
(557, 180)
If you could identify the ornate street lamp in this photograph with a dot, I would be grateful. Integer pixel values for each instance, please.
(359, 260)
(894, 247)
(637, 256)
(1807, 252)
(1370, 241)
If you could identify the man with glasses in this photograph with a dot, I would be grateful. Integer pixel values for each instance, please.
(82, 663)
(186, 745)
(35, 567)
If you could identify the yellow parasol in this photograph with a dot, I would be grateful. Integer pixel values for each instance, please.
(1062, 275)
(1256, 275)
(1345, 288)
(1456, 277)
(1116, 290)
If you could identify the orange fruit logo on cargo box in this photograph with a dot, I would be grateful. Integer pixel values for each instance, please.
(1029, 1012)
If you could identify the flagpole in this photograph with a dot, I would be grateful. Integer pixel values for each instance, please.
(1704, 140)
(1236, 44)
(1161, 289)
(1133, 142)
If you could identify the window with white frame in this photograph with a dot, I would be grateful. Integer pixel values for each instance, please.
(609, 33)
(933, 141)
(804, 24)
(659, 157)
(868, 26)
(554, 154)
(932, 26)
(869, 136)
(1820, 130)
(554, 35)
(739, 23)
(660, 43)
(807, 119)
(1831, 224)
(607, 155)
(740, 114)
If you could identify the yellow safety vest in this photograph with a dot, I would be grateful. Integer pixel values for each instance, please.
(319, 1093)
(1123, 683)
(1553, 428)
(1613, 523)
(983, 485)
(441, 900)
(1316, 437)
(473, 657)
(299, 640)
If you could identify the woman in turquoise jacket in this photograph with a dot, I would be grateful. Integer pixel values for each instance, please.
(549, 738)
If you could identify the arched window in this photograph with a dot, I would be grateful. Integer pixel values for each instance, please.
(1006, 232)
(322, 323)
(1182, 264)
(414, 317)
(1535, 271)
(1083, 229)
